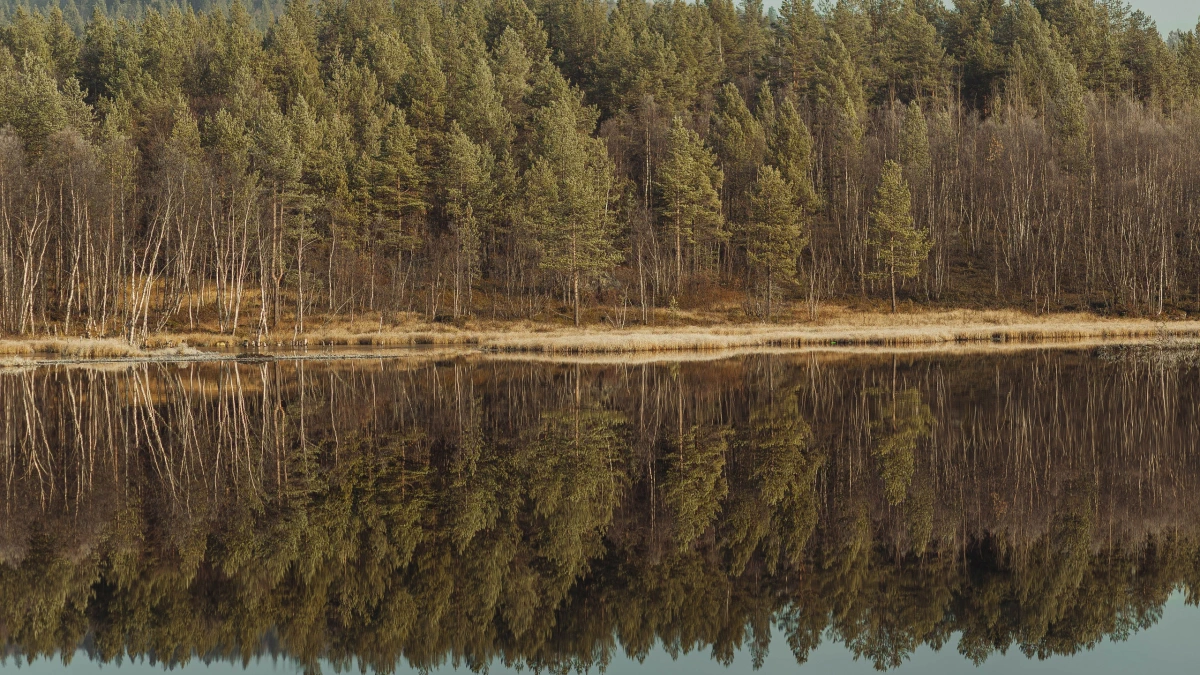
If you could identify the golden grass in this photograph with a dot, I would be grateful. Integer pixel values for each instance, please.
(86, 349)
(838, 327)
(81, 348)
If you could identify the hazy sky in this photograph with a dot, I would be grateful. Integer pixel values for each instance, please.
(1170, 14)
(1168, 646)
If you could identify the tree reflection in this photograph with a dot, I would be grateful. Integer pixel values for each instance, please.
(560, 516)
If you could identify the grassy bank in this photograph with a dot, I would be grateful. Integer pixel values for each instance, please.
(840, 327)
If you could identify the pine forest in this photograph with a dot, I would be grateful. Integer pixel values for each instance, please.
(254, 169)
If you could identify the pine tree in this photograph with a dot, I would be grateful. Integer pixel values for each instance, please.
(398, 182)
(513, 66)
(426, 89)
(1148, 60)
(98, 58)
(482, 112)
(1187, 49)
(838, 91)
(570, 188)
(914, 61)
(975, 50)
(63, 46)
(801, 41)
(294, 70)
(26, 33)
(741, 145)
(790, 151)
(468, 183)
(914, 143)
(689, 179)
(31, 101)
(775, 235)
(899, 246)
(1041, 72)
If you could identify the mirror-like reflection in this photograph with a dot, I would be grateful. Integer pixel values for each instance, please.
(487, 511)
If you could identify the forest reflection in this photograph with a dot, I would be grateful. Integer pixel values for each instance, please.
(483, 511)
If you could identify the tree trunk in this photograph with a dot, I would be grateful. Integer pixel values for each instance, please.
(678, 256)
(769, 289)
(893, 277)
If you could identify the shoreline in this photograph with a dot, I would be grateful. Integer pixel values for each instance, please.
(847, 331)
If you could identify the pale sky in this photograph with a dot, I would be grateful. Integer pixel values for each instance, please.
(1170, 14)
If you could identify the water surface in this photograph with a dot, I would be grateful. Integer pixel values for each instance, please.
(814, 512)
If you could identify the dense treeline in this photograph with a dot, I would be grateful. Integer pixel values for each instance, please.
(512, 158)
(555, 515)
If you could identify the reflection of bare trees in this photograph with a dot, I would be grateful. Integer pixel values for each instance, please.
(482, 509)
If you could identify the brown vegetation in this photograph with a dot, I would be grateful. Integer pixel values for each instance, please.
(840, 328)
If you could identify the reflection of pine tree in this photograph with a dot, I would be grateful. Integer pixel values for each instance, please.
(775, 510)
(905, 420)
(695, 486)
(573, 483)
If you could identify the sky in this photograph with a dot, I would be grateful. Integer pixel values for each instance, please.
(1170, 14)
(1169, 646)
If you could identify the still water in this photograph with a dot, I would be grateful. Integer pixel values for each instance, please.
(992, 511)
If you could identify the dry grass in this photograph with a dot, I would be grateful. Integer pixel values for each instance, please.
(79, 348)
(87, 348)
(838, 327)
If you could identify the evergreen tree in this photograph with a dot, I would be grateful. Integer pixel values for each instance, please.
(973, 46)
(1187, 48)
(1041, 72)
(32, 102)
(914, 143)
(98, 58)
(399, 181)
(513, 67)
(775, 235)
(915, 60)
(689, 179)
(569, 189)
(468, 184)
(899, 246)
(801, 43)
(790, 151)
(294, 70)
(1150, 64)
(839, 96)
(741, 146)
(62, 45)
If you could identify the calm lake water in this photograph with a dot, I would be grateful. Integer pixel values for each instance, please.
(994, 511)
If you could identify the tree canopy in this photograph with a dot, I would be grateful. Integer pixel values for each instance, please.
(238, 167)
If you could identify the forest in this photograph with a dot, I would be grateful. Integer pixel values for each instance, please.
(563, 516)
(250, 170)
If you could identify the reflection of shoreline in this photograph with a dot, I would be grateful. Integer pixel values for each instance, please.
(432, 353)
(531, 510)
(925, 331)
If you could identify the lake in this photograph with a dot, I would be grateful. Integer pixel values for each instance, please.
(982, 510)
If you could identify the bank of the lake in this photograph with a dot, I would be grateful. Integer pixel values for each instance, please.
(679, 333)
